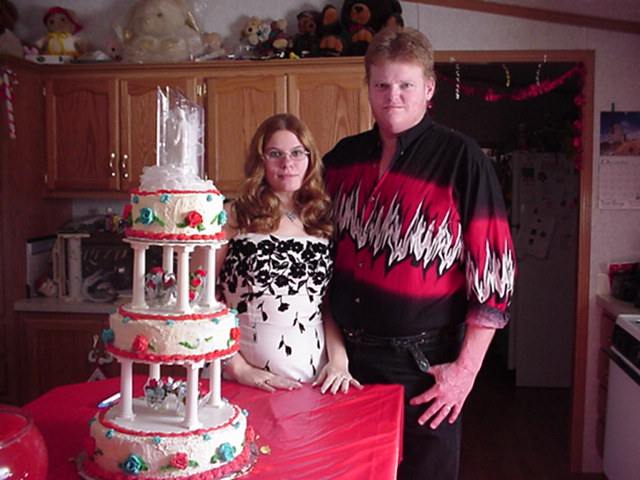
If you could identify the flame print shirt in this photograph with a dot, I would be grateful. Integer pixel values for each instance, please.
(424, 246)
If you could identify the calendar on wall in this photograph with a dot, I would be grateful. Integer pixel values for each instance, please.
(619, 180)
(619, 160)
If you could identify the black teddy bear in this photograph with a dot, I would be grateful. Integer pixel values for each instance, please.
(362, 19)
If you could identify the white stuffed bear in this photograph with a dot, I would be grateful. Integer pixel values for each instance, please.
(161, 31)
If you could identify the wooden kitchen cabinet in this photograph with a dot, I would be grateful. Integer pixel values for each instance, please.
(329, 96)
(101, 129)
(56, 350)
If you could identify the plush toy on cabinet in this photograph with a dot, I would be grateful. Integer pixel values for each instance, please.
(306, 42)
(363, 19)
(278, 41)
(62, 37)
(253, 34)
(9, 43)
(161, 31)
(331, 33)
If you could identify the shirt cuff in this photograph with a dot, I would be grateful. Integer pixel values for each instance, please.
(487, 317)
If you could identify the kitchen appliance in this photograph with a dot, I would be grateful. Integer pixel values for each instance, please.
(622, 432)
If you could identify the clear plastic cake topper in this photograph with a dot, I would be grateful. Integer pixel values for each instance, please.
(180, 132)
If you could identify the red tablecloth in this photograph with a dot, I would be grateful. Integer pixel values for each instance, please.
(311, 436)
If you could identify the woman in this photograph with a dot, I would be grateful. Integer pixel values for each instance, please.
(277, 264)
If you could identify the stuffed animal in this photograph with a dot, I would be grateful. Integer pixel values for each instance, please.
(161, 31)
(363, 19)
(253, 34)
(9, 43)
(306, 41)
(278, 41)
(331, 33)
(62, 37)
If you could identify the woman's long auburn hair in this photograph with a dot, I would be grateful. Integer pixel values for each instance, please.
(258, 208)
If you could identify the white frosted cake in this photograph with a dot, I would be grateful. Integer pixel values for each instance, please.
(173, 428)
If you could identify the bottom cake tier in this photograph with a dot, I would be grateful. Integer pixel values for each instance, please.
(155, 444)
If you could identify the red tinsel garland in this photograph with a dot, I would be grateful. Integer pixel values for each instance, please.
(532, 91)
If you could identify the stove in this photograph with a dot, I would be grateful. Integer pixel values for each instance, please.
(622, 431)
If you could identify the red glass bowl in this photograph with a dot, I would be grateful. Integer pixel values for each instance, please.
(23, 453)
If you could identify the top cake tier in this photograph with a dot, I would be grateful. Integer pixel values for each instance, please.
(175, 215)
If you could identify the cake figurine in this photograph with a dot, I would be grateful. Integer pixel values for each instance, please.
(172, 429)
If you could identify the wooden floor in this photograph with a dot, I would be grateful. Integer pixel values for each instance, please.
(516, 433)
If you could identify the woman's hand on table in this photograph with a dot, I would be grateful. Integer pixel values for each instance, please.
(243, 372)
(333, 378)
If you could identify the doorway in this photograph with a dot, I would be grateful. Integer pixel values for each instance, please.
(454, 63)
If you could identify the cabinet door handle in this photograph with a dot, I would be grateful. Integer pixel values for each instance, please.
(123, 166)
(112, 168)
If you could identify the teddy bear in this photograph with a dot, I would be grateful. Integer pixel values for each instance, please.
(331, 33)
(363, 19)
(278, 41)
(253, 34)
(9, 43)
(306, 41)
(62, 34)
(161, 31)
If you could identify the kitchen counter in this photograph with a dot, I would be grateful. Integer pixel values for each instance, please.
(62, 305)
(615, 307)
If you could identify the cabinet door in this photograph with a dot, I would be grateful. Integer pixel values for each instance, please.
(81, 133)
(138, 115)
(236, 106)
(57, 349)
(333, 103)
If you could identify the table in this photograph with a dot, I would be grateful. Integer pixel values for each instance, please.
(353, 436)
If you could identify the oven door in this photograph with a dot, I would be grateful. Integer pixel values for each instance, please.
(622, 434)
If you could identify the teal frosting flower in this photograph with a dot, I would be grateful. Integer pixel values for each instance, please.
(126, 319)
(170, 322)
(164, 198)
(108, 336)
(226, 452)
(206, 436)
(135, 199)
(133, 464)
(146, 215)
(209, 198)
(110, 433)
(156, 439)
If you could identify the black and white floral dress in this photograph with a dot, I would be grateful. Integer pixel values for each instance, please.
(276, 283)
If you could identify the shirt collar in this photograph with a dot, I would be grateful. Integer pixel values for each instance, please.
(407, 138)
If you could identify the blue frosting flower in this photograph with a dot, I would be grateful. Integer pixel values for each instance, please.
(156, 439)
(126, 319)
(206, 436)
(146, 216)
(108, 336)
(164, 198)
(209, 198)
(133, 464)
(170, 322)
(135, 199)
(225, 452)
(110, 433)
(222, 218)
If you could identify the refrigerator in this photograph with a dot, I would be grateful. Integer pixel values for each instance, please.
(543, 211)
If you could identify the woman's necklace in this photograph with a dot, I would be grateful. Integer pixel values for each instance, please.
(290, 215)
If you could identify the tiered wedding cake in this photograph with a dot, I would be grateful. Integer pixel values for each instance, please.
(172, 430)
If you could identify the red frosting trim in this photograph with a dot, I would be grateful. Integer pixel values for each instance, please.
(137, 191)
(243, 460)
(175, 318)
(150, 357)
(190, 433)
(130, 232)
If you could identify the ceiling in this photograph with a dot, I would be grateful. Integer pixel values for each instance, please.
(628, 10)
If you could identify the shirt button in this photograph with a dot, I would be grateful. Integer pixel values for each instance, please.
(360, 264)
(357, 300)
(371, 199)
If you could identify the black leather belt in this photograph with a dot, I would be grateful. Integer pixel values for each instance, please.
(415, 344)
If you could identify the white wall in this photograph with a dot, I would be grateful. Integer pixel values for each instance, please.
(615, 234)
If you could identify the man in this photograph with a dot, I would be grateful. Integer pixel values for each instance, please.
(425, 264)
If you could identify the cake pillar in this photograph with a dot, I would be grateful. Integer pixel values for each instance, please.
(139, 266)
(191, 416)
(215, 375)
(167, 259)
(183, 278)
(154, 371)
(210, 284)
(126, 389)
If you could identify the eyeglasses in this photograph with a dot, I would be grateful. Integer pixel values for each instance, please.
(296, 155)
